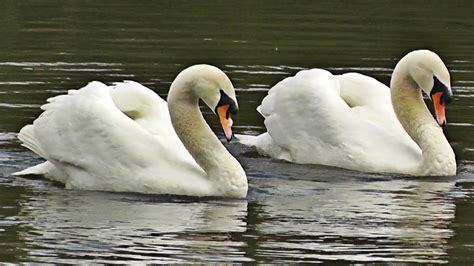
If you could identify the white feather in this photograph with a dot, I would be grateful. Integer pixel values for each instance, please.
(346, 121)
(118, 138)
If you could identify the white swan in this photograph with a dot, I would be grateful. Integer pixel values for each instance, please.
(123, 138)
(348, 120)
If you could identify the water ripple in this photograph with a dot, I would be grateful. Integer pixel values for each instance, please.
(20, 105)
(54, 64)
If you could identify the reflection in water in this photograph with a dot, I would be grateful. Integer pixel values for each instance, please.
(321, 215)
(376, 221)
(112, 227)
(313, 216)
(12, 247)
(461, 249)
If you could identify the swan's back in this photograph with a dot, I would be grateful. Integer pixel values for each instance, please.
(345, 121)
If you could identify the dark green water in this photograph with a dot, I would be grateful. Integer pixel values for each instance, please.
(293, 213)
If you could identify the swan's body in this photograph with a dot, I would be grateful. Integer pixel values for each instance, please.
(123, 138)
(348, 120)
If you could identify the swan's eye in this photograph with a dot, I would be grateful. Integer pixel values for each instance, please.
(439, 87)
(226, 100)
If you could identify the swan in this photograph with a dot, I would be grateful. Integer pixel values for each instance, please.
(125, 138)
(353, 121)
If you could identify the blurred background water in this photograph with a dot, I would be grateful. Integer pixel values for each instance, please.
(293, 213)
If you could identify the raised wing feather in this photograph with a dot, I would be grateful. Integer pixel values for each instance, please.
(113, 138)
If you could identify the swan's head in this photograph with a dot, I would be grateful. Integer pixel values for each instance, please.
(214, 88)
(432, 76)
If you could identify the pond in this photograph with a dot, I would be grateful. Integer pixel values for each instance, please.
(293, 213)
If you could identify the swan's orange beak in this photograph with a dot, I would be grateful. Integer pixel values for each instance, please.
(439, 106)
(226, 122)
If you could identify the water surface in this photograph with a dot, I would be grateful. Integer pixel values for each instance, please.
(293, 213)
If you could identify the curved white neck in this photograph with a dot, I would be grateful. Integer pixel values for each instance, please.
(413, 114)
(198, 138)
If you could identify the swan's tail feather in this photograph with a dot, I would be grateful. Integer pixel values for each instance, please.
(247, 140)
(45, 168)
(29, 140)
(265, 146)
(27, 136)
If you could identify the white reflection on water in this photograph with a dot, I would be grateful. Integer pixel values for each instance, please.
(399, 219)
(293, 213)
(51, 64)
(321, 213)
(22, 82)
(264, 72)
(18, 105)
(112, 227)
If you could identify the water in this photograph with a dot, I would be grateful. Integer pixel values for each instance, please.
(293, 213)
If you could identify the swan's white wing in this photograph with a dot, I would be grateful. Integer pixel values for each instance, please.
(96, 145)
(142, 105)
(308, 116)
(371, 101)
